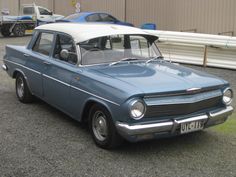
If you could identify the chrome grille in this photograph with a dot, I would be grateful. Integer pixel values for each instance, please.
(182, 105)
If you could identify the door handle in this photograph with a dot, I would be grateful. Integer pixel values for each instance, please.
(26, 55)
(41, 16)
(46, 63)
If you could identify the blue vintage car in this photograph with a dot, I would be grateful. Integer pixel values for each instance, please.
(114, 78)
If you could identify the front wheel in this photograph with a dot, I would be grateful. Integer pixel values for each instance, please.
(102, 128)
(22, 90)
(19, 30)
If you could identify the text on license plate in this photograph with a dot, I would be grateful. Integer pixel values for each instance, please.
(191, 126)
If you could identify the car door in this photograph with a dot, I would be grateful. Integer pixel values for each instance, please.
(36, 58)
(45, 15)
(58, 73)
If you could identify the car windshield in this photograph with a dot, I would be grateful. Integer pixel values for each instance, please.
(118, 48)
(73, 16)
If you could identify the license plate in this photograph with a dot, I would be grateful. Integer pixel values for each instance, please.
(29, 31)
(191, 126)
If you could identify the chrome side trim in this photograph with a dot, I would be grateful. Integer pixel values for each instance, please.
(64, 83)
(95, 95)
(52, 78)
(170, 126)
(71, 86)
(22, 66)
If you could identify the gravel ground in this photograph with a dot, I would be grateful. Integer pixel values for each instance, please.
(38, 140)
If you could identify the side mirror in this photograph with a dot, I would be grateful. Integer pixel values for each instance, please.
(50, 13)
(64, 54)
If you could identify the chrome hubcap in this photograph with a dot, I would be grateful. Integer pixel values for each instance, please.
(99, 125)
(20, 87)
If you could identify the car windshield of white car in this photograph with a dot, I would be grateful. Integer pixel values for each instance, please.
(117, 48)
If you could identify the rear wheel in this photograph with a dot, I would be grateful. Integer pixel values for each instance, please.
(19, 30)
(102, 128)
(5, 30)
(22, 91)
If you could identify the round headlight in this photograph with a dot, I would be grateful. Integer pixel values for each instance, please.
(137, 109)
(227, 96)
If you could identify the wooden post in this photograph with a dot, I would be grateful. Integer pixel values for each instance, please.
(205, 56)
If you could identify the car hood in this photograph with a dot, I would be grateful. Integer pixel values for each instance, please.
(157, 77)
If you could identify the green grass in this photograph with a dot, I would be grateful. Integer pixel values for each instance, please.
(229, 127)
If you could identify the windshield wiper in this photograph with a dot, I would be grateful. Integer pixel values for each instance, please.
(123, 59)
(154, 58)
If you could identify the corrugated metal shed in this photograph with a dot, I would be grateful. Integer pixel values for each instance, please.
(202, 16)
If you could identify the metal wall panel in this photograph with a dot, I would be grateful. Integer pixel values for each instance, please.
(114, 7)
(63, 7)
(150, 11)
(206, 16)
(11, 5)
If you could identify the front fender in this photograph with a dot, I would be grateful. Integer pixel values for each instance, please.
(112, 108)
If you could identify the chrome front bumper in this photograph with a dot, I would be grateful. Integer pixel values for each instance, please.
(171, 126)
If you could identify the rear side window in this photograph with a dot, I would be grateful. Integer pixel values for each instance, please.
(107, 18)
(28, 10)
(44, 43)
(93, 18)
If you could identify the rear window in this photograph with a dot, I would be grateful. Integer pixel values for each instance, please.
(28, 10)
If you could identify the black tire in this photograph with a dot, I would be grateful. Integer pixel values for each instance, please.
(19, 30)
(5, 31)
(112, 139)
(22, 90)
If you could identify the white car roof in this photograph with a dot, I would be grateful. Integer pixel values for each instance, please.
(84, 31)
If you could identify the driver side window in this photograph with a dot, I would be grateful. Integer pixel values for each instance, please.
(43, 11)
(64, 42)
